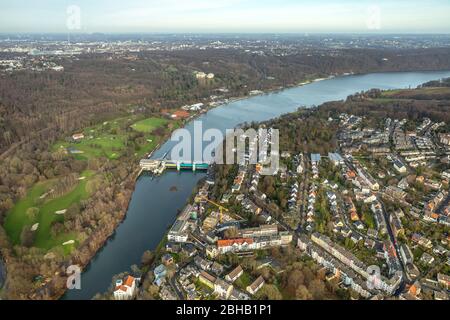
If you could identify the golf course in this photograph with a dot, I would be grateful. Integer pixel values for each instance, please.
(41, 207)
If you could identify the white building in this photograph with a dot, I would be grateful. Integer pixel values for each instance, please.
(125, 289)
(256, 285)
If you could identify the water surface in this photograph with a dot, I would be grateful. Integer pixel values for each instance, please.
(153, 207)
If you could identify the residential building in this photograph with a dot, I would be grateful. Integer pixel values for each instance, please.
(235, 274)
(234, 245)
(178, 232)
(167, 259)
(427, 258)
(77, 136)
(351, 261)
(207, 279)
(440, 295)
(406, 254)
(256, 285)
(125, 289)
(160, 274)
(336, 159)
(399, 166)
(444, 138)
(422, 241)
(444, 280)
(223, 289)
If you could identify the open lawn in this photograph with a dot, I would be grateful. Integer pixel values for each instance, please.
(148, 125)
(244, 281)
(18, 218)
(105, 146)
(110, 139)
(104, 140)
(411, 93)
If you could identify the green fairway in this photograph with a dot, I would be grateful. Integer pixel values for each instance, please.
(47, 214)
(148, 125)
(410, 93)
(107, 140)
(108, 146)
(17, 218)
(110, 139)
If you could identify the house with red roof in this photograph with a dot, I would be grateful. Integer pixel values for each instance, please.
(125, 288)
(234, 245)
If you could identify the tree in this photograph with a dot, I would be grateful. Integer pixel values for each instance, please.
(147, 258)
(32, 213)
(302, 293)
(294, 280)
(269, 292)
(27, 236)
(231, 233)
(317, 289)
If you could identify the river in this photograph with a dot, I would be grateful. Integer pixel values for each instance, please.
(2, 272)
(153, 207)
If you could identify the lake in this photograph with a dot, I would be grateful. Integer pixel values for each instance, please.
(153, 207)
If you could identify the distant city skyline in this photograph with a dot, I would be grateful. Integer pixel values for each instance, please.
(225, 16)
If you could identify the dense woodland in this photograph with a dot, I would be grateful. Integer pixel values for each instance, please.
(437, 83)
(414, 105)
(94, 87)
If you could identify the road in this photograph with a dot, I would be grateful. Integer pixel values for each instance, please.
(173, 284)
(397, 250)
(304, 185)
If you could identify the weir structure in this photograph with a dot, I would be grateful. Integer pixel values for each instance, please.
(158, 166)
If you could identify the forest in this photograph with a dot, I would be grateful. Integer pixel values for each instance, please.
(95, 87)
(39, 110)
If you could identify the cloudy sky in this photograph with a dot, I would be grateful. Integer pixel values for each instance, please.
(389, 16)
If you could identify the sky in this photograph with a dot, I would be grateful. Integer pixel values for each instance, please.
(227, 16)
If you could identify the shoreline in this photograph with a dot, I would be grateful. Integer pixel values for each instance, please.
(193, 117)
(138, 172)
(134, 176)
(2, 273)
(163, 239)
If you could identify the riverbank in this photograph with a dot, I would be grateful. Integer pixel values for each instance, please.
(2, 273)
(134, 176)
(152, 202)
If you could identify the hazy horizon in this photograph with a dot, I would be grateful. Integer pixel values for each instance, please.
(226, 16)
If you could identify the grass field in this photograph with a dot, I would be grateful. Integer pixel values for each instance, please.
(148, 125)
(109, 140)
(104, 140)
(17, 218)
(415, 92)
(244, 281)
